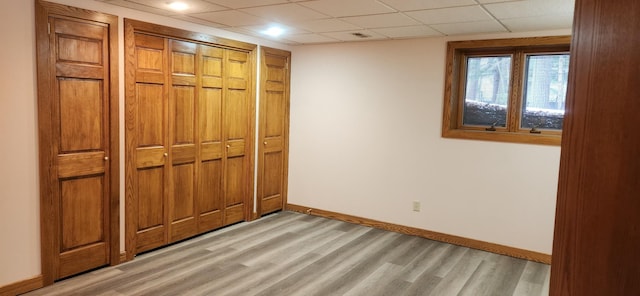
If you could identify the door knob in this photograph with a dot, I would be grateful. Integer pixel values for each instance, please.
(106, 158)
(228, 146)
(166, 154)
(265, 142)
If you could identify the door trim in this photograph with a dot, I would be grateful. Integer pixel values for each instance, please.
(45, 77)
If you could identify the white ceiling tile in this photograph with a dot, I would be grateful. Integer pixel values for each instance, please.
(327, 25)
(139, 7)
(232, 18)
(311, 38)
(286, 13)
(340, 8)
(381, 20)
(470, 28)
(407, 5)
(198, 21)
(348, 35)
(195, 6)
(530, 8)
(235, 4)
(407, 32)
(546, 22)
(451, 15)
(286, 30)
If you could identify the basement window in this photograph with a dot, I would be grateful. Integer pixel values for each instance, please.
(509, 90)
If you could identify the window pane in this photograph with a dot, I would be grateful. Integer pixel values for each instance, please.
(487, 90)
(545, 91)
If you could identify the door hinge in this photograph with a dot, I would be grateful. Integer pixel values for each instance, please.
(49, 28)
(286, 65)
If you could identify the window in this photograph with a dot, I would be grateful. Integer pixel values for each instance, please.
(510, 90)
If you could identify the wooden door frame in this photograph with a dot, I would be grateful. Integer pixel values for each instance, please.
(48, 177)
(134, 26)
(285, 149)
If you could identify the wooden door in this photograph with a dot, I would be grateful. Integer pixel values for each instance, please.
(77, 105)
(147, 147)
(274, 130)
(182, 134)
(189, 117)
(236, 124)
(596, 246)
(210, 191)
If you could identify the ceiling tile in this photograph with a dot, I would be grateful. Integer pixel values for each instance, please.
(470, 28)
(286, 13)
(235, 4)
(340, 8)
(450, 15)
(407, 32)
(286, 29)
(311, 38)
(232, 18)
(198, 21)
(381, 20)
(406, 5)
(327, 25)
(348, 35)
(195, 6)
(547, 22)
(530, 8)
(140, 7)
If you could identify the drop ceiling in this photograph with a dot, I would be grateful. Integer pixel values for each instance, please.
(327, 21)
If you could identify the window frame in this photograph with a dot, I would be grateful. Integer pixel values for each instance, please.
(455, 84)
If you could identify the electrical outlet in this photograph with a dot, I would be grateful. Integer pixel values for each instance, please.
(416, 206)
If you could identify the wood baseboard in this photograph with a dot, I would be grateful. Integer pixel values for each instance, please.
(23, 286)
(437, 236)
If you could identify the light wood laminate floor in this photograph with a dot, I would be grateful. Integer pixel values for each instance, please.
(295, 254)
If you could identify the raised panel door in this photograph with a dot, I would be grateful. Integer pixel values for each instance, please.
(183, 100)
(76, 120)
(210, 192)
(147, 131)
(273, 134)
(236, 127)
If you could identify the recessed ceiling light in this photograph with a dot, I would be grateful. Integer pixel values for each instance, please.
(178, 6)
(274, 31)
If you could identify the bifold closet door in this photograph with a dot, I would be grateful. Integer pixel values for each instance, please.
(147, 137)
(78, 137)
(189, 138)
(182, 134)
(236, 134)
(210, 191)
(274, 130)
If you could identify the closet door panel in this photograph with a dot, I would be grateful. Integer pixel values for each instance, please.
(210, 193)
(147, 133)
(150, 204)
(234, 190)
(236, 129)
(182, 132)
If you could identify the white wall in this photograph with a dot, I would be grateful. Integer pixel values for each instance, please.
(365, 140)
(19, 195)
(19, 203)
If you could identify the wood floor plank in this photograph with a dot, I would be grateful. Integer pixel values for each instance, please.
(293, 254)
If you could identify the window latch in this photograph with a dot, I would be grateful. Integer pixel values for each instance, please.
(492, 128)
(534, 130)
